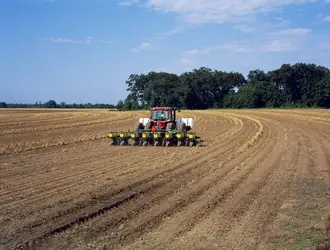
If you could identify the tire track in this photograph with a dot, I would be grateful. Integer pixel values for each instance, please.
(30, 120)
(261, 213)
(24, 145)
(229, 216)
(166, 198)
(162, 195)
(218, 195)
(42, 176)
(322, 153)
(63, 126)
(165, 171)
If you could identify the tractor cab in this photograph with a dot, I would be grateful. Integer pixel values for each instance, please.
(162, 114)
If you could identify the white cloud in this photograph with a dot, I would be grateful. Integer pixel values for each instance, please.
(143, 46)
(87, 40)
(186, 63)
(218, 11)
(234, 48)
(323, 18)
(280, 22)
(327, 18)
(279, 45)
(128, 2)
(291, 39)
(61, 40)
(156, 38)
(171, 32)
(291, 31)
(243, 13)
(285, 40)
(194, 52)
(244, 28)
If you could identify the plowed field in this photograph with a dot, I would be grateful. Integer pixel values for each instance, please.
(261, 180)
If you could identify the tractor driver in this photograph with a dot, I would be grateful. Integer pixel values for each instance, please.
(163, 115)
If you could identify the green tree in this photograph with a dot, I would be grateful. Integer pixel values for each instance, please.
(300, 84)
(50, 104)
(3, 105)
(120, 104)
(322, 92)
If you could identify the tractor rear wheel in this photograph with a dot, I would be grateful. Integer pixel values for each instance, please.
(182, 127)
(148, 125)
(170, 126)
(139, 125)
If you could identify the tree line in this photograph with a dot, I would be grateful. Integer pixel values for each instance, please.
(53, 104)
(298, 85)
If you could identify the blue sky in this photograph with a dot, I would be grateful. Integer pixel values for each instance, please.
(84, 50)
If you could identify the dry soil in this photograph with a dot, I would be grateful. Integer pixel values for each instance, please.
(260, 180)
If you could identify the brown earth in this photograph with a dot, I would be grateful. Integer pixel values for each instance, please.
(261, 180)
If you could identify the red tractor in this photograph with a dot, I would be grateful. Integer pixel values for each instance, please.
(164, 118)
(161, 128)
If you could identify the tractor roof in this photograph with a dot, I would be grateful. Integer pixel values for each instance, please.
(162, 108)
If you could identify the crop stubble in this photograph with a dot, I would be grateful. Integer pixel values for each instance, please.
(62, 186)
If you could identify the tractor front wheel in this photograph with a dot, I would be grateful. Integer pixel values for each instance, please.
(182, 127)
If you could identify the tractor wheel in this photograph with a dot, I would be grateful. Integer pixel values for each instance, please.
(136, 142)
(139, 126)
(170, 126)
(148, 125)
(182, 127)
